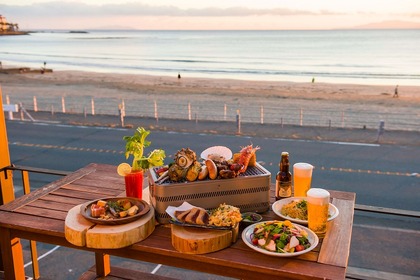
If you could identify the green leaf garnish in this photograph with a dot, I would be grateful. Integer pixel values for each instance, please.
(135, 146)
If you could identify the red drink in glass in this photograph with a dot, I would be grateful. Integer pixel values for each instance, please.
(134, 184)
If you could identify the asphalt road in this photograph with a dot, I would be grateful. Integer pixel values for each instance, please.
(380, 175)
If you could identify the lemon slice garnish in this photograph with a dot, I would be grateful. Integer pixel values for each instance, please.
(123, 169)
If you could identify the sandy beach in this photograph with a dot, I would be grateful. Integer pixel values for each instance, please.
(370, 103)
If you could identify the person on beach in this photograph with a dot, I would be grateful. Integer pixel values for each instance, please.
(396, 92)
(179, 76)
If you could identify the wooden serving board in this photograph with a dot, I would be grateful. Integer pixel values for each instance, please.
(81, 232)
(192, 240)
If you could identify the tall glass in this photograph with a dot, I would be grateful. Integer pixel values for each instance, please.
(302, 177)
(134, 184)
(318, 203)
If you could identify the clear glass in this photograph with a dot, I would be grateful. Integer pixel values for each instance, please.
(318, 203)
(134, 184)
(302, 177)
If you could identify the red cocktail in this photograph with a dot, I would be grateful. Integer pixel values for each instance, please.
(134, 184)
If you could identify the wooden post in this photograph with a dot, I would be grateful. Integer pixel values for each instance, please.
(189, 111)
(122, 113)
(92, 105)
(225, 112)
(22, 116)
(238, 120)
(156, 112)
(35, 105)
(301, 117)
(63, 104)
(262, 114)
(7, 193)
(8, 103)
(102, 264)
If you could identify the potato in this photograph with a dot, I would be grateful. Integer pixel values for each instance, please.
(203, 173)
(125, 204)
(133, 210)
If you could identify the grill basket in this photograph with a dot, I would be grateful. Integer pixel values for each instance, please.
(249, 192)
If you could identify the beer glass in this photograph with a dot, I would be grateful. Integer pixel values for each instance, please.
(318, 204)
(302, 176)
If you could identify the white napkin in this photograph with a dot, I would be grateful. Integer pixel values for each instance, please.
(171, 209)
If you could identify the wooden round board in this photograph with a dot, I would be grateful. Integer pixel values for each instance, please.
(191, 240)
(81, 232)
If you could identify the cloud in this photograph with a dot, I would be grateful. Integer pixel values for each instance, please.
(68, 9)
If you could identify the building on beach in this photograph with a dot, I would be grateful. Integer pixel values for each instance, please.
(7, 28)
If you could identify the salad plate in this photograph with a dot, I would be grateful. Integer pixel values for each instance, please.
(220, 150)
(247, 236)
(279, 204)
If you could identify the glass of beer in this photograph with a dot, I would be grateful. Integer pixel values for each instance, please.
(318, 204)
(302, 176)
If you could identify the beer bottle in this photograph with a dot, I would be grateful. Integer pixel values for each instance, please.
(284, 178)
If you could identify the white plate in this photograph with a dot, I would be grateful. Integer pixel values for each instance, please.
(221, 150)
(247, 233)
(332, 210)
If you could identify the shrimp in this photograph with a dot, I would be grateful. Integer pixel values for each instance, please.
(246, 154)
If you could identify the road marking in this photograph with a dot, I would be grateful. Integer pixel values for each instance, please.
(108, 151)
(43, 256)
(45, 146)
(383, 228)
(378, 172)
(156, 268)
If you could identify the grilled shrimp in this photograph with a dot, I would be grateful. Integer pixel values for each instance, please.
(246, 154)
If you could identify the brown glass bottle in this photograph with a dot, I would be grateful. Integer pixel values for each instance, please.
(284, 178)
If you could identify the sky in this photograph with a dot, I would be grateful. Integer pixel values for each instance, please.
(210, 15)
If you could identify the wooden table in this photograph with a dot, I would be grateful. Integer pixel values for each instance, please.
(40, 216)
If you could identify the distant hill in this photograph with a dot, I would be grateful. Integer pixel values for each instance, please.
(392, 24)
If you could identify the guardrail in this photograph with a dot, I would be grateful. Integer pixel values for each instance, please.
(260, 111)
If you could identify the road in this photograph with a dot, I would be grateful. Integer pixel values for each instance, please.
(381, 175)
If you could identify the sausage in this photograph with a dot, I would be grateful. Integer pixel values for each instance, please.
(212, 168)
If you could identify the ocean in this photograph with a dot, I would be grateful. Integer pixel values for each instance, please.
(387, 57)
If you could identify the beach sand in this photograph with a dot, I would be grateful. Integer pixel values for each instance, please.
(362, 100)
(79, 83)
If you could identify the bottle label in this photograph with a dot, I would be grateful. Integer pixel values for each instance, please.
(283, 189)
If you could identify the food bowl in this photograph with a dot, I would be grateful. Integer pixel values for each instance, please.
(251, 218)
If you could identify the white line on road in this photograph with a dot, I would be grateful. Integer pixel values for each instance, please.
(156, 268)
(44, 255)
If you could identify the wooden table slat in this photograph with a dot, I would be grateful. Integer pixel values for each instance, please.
(336, 248)
(104, 191)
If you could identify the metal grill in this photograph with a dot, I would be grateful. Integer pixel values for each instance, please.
(248, 192)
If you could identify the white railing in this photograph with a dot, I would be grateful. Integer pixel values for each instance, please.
(219, 111)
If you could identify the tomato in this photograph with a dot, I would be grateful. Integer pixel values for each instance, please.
(255, 241)
(299, 248)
